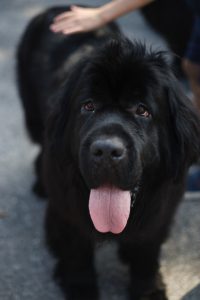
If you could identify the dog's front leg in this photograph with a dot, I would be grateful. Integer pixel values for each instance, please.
(75, 267)
(146, 281)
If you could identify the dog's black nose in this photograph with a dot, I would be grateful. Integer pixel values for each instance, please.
(110, 148)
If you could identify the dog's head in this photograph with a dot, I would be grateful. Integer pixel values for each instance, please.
(123, 118)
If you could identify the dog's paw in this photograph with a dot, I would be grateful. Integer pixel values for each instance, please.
(153, 290)
(76, 289)
(156, 295)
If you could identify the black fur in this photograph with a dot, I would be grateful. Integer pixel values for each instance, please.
(174, 21)
(138, 105)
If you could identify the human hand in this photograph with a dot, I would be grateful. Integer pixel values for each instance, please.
(78, 19)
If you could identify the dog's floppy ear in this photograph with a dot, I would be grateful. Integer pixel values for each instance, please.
(185, 122)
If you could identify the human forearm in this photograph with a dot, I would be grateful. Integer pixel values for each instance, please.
(117, 8)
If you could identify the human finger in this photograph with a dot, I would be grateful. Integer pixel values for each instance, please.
(62, 25)
(77, 8)
(63, 16)
(67, 14)
(71, 30)
(74, 7)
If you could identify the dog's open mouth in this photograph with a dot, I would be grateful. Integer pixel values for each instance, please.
(109, 208)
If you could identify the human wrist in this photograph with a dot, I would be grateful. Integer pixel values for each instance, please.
(106, 14)
(118, 8)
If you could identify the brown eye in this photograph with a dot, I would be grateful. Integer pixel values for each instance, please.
(142, 111)
(89, 106)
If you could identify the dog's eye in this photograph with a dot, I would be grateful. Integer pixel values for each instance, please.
(142, 111)
(89, 106)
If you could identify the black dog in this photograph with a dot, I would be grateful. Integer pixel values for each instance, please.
(117, 137)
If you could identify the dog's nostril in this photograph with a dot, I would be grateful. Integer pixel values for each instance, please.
(117, 153)
(98, 152)
(97, 149)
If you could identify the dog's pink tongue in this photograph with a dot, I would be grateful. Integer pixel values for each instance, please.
(109, 209)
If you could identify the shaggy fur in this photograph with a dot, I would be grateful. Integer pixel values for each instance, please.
(77, 90)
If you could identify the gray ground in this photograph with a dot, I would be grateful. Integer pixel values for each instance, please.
(25, 265)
